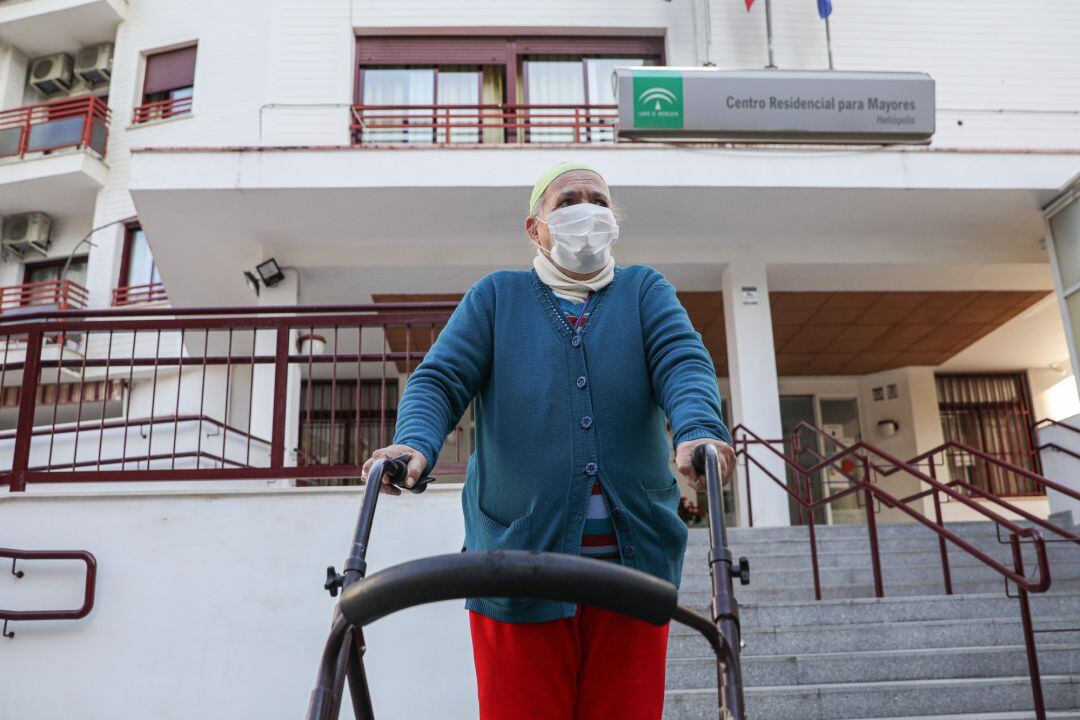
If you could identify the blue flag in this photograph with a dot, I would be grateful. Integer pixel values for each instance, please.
(824, 8)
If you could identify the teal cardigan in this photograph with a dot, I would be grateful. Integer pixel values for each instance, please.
(556, 409)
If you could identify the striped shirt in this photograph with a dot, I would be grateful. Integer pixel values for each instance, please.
(598, 540)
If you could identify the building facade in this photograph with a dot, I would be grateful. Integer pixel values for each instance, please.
(381, 151)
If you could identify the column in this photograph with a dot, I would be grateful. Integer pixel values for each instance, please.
(755, 393)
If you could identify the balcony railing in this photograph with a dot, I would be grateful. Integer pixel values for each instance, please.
(81, 123)
(203, 387)
(161, 109)
(48, 294)
(482, 124)
(139, 294)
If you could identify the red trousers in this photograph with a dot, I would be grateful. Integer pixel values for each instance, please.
(595, 665)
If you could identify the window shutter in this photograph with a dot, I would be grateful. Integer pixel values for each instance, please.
(170, 70)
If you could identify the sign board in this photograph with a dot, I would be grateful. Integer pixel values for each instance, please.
(774, 105)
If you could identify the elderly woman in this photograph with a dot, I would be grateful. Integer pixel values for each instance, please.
(573, 366)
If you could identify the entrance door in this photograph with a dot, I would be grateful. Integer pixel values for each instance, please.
(793, 410)
(840, 420)
(838, 417)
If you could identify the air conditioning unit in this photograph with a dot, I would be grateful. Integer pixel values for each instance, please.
(27, 233)
(94, 63)
(51, 74)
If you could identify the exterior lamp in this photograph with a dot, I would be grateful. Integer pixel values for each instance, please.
(252, 282)
(270, 272)
(888, 428)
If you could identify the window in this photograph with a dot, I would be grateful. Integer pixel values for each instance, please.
(139, 277)
(168, 85)
(444, 98)
(991, 413)
(491, 89)
(581, 87)
(42, 286)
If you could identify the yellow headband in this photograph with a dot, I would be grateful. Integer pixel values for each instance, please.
(549, 177)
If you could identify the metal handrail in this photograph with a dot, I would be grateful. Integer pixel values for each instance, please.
(73, 614)
(928, 456)
(863, 451)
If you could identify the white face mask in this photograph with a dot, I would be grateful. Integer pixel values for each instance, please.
(581, 236)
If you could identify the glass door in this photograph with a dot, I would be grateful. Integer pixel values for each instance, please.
(840, 421)
(793, 410)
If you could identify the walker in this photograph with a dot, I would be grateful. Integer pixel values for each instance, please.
(516, 573)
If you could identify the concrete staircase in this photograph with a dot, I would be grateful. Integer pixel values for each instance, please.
(916, 654)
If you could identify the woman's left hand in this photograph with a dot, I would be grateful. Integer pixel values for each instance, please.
(684, 461)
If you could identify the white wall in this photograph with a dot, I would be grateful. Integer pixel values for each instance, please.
(210, 605)
(1060, 466)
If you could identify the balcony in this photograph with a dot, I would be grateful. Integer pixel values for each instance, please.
(42, 27)
(52, 155)
(504, 124)
(147, 294)
(162, 394)
(39, 296)
(161, 110)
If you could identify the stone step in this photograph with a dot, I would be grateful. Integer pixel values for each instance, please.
(903, 609)
(928, 574)
(756, 592)
(877, 666)
(696, 559)
(1021, 715)
(841, 701)
(924, 540)
(848, 637)
(699, 535)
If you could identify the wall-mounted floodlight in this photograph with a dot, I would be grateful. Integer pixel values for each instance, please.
(252, 282)
(270, 272)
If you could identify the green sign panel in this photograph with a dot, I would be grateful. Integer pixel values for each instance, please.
(658, 100)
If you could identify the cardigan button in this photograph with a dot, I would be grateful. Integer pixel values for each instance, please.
(617, 513)
(575, 341)
(628, 552)
(581, 381)
(590, 469)
(586, 422)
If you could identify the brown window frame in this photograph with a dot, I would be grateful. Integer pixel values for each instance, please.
(492, 48)
(1002, 423)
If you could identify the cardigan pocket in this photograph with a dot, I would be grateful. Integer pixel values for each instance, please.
(515, 536)
(499, 532)
(670, 528)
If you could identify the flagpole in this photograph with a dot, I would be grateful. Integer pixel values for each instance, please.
(828, 41)
(768, 33)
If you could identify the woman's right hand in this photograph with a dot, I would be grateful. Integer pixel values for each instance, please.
(417, 463)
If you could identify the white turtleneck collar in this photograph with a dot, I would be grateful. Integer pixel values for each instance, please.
(567, 287)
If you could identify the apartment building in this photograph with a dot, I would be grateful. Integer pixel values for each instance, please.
(158, 159)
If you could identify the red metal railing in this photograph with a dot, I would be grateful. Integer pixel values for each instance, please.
(59, 294)
(482, 124)
(863, 483)
(161, 109)
(1047, 422)
(246, 370)
(139, 294)
(34, 555)
(81, 122)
